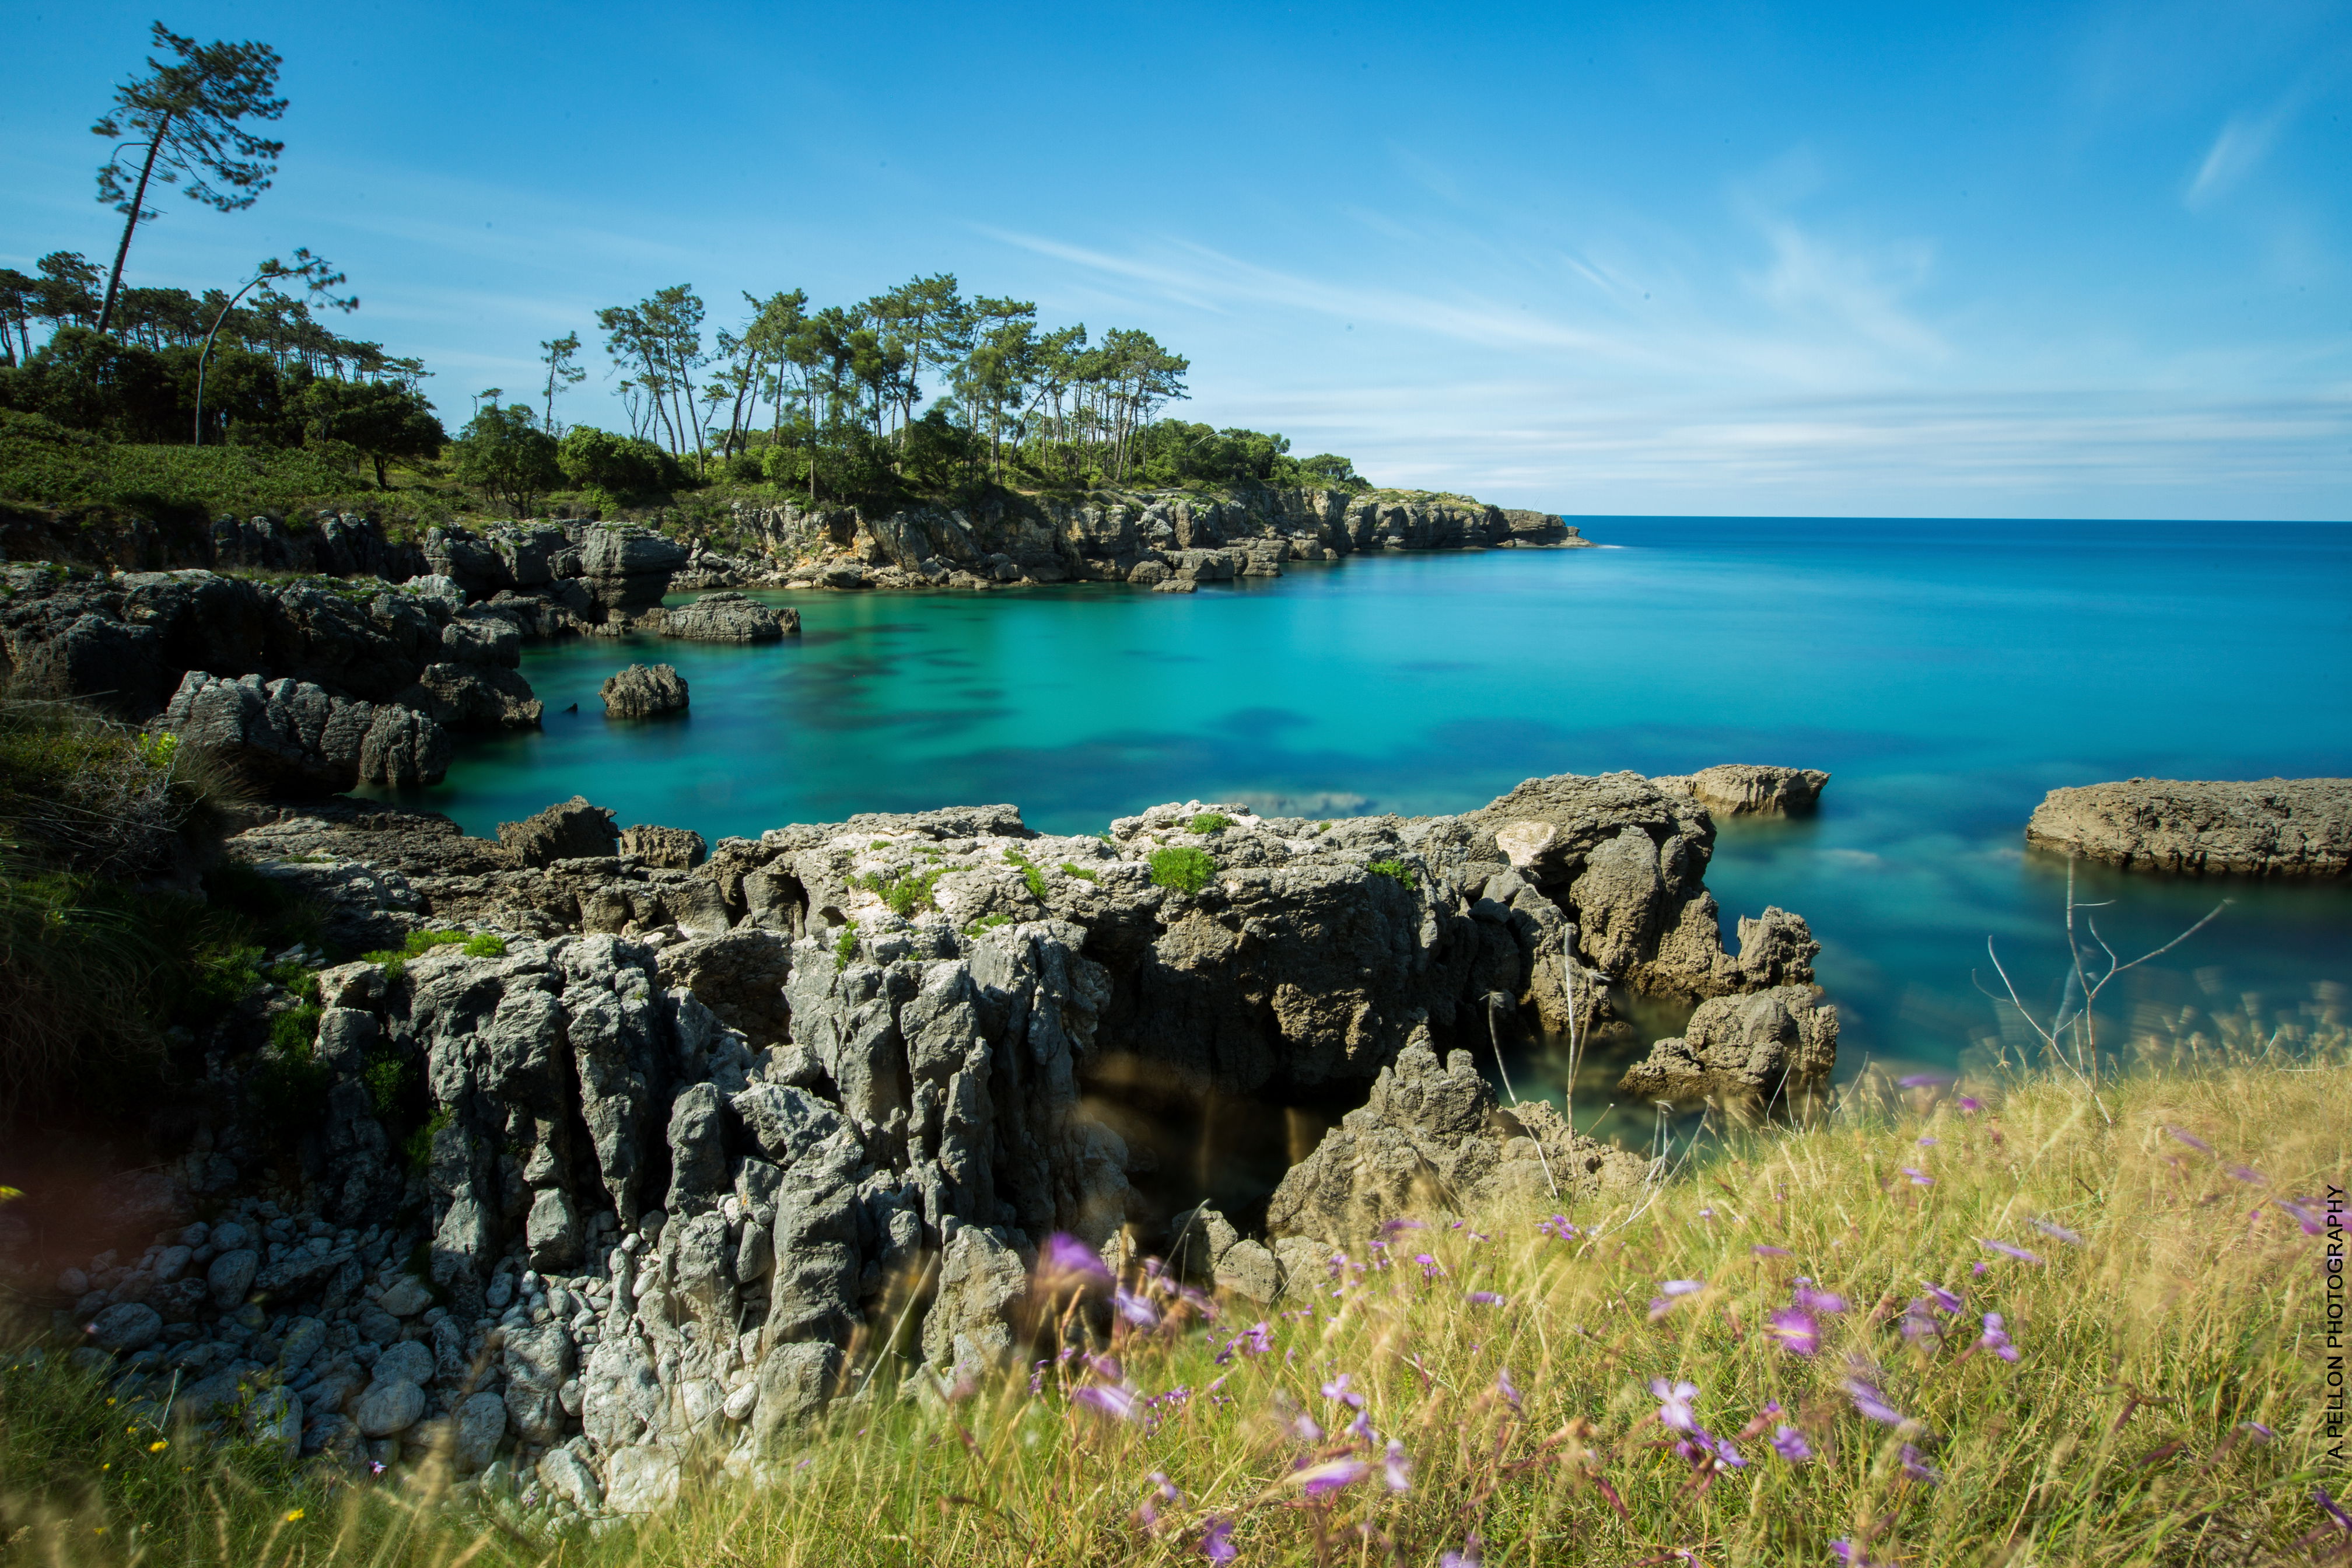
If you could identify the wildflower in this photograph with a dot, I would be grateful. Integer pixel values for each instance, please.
(1854, 1556)
(1338, 1389)
(1065, 1261)
(1307, 1429)
(1813, 1300)
(1148, 1510)
(1135, 1308)
(1970, 1103)
(1360, 1429)
(1504, 1387)
(1117, 1402)
(292, 1514)
(1791, 1444)
(1558, 1229)
(157, 1446)
(1466, 1558)
(2057, 1232)
(1949, 1301)
(1256, 1339)
(1484, 1299)
(1330, 1476)
(2194, 1142)
(2319, 1494)
(1916, 1467)
(1430, 1268)
(2006, 1250)
(1707, 1214)
(2261, 1433)
(1217, 1540)
(1929, 1141)
(1918, 1178)
(1871, 1404)
(375, 1466)
(2301, 1215)
(1396, 1470)
(1389, 1228)
(2247, 1174)
(1923, 1081)
(1796, 1330)
(1919, 1322)
(1674, 1403)
(1671, 1288)
(1996, 1338)
(1766, 1249)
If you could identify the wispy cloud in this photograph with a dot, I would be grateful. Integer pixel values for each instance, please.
(2237, 152)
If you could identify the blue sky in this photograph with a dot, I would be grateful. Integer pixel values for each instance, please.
(2032, 260)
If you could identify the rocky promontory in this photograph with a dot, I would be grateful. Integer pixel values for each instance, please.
(649, 1155)
(2266, 827)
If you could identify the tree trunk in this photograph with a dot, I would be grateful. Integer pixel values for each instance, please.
(138, 201)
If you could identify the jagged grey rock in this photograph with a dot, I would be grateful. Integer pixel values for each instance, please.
(568, 830)
(672, 849)
(725, 617)
(2267, 828)
(291, 736)
(981, 1283)
(643, 691)
(1769, 1052)
(1433, 1140)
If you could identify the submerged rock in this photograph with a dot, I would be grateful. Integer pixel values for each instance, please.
(2268, 827)
(643, 691)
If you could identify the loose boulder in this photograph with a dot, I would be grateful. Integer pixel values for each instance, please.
(1769, 1052)
(643, 691)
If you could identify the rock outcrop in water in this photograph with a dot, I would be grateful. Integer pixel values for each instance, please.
(688, 1134)
(1748, 789)
(643, 691)
(2269, 828)
(1754, 1054)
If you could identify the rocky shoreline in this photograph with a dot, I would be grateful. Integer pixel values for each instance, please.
(2266, 827)
(646, 1166)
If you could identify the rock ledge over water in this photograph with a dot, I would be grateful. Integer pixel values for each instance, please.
(2267, 828)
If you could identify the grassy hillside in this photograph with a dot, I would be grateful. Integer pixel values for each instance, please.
(45, 464)
(2043, 1337)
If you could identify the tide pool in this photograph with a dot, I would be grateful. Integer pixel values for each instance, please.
(1947, 673)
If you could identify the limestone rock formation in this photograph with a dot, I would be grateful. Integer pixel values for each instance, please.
(1768, 1052)
(643, 691)
(673, 849)
(1748, 789)
(569, 830)
(1431, 1140)
(2267, 828)
(724, 617)
(291, 737)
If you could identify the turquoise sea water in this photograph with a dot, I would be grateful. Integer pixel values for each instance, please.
(1946, 673)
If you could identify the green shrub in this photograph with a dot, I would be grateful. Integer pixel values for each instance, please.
(1030, 877)
(987, 922)
(388, 1078)
(1080, 872)
(1395, 871)
(486, 945)
(418, 943)
(1185, 869)
(1210, 822)
(418, 1150)
(904, 893)
(844, 946)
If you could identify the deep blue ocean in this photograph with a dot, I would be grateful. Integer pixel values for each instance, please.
(1947, 673)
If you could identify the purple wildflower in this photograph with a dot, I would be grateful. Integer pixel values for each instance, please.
(2057, 1232)
(1725, 1453)
(375, 1466)
(1338, 1389)
(1306, 1429)
(1923, 1081)
(1558, 1229)
(1682, 1287)
(1484, 1299)
(1116, 1401)
(1135, 1308)
(2261, 1433)
(2191, 1138)
(2247, 1174)
(1360, 1429)
(1766, 1249)
(1508, 1390)
(1330, 1476)
(1919, 1322)
(1149, 1510)
(1869, 1403)
(1971, 1103)
(1916, 1466)
(1064, 1260)
(1813, 1300)
(1791, 1444)
(1918, 1178)
(1795, 1329)
(1389, 1228)
(2327, 1504)
(1929, 1141)
(1396, 1470)
(1466, 1558)
(1674, 1403)
(1996, 1338)
(2301, 1214)
(1949, 1300)
(1256, 1339)
(1430, 1268)
(2006, 1250)
(1217, 1540)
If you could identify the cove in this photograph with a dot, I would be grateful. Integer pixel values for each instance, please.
(1947, 672)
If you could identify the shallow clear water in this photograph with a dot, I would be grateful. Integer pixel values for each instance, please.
(1946, 673)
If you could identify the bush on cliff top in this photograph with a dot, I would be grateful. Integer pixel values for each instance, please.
(1183, 869)
(2079, 1342)
(46, 464)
